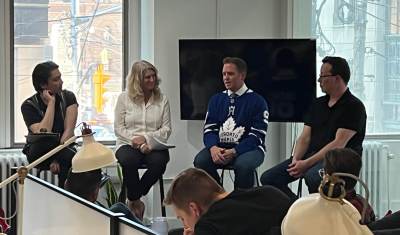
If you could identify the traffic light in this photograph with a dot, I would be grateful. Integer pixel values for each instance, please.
(99, 78)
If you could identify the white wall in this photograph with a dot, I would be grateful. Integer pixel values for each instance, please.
(184, 19)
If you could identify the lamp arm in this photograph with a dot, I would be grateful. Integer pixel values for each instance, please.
(364, 185)
(40, 160)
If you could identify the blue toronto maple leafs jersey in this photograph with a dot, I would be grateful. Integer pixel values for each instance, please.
(236, 122)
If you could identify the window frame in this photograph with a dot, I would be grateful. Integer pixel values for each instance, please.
(300, 26)
(126, 55)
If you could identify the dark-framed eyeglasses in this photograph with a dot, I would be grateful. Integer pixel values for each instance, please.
(320, 78)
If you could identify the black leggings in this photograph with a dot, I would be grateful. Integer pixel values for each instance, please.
(131, 159)
(63, 157)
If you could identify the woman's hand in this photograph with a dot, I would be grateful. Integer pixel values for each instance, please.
(137, 141)
(144, 148)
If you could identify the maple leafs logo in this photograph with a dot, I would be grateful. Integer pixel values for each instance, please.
(228, 133)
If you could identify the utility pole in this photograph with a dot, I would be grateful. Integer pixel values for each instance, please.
(360, 25)
(74, 37)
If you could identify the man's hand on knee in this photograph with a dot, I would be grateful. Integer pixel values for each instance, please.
(298, 168)
(217, 154)
(228, 155)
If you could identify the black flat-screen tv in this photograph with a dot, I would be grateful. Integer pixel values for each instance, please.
(283, 71)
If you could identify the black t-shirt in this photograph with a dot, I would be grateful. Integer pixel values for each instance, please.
(253, 211)
(32, 115)
(348, 112)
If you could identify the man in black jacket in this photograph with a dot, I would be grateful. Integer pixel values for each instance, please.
(204, 207)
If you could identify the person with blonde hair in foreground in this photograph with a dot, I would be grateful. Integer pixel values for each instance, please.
(204, 207)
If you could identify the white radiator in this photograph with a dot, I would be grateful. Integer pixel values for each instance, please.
(375, 174)
(10, 158)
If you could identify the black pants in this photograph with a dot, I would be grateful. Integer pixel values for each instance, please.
(64, 158)
(279, 177)
(131, 159)
(386, 224)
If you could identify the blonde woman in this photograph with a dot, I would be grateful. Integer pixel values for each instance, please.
(142, 112)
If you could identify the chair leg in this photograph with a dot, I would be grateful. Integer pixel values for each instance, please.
(300, 188)
(161, 182)
(38, 171)
(221, 178)
(256, 175)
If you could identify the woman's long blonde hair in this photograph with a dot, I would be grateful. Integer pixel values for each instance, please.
(135, 79)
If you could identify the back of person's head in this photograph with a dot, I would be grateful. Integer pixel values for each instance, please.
(339, 67)
(41, 74)
(343, 160)
(84, 184)
(193, 185)
(241, 65)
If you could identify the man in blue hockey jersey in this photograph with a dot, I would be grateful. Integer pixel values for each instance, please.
(235, 127)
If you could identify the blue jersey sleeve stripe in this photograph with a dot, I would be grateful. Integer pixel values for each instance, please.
(209, 125)
(259, 139)
(259, 130)
(253, 134)
(209, 130)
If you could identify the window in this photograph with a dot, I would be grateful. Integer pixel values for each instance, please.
(85, 39)
(367, 34)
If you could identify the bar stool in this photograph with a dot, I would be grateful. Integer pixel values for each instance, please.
(300, 187)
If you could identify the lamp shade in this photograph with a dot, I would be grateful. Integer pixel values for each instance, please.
(315, 215)
(92, 156)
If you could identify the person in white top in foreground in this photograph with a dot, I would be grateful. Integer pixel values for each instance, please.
(142, 112)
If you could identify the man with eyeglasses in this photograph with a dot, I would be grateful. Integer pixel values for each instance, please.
(336, 120)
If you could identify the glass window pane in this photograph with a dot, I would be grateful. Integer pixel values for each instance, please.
(367, 34)
(84, 37)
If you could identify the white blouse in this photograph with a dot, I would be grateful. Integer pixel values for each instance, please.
(140, 119)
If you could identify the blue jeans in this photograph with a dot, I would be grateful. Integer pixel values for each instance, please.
(244, 166)
(278, 177)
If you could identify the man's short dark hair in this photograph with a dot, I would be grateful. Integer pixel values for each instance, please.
(339, 67)
(241, 65)
(343, 160)
(192, 185)
(41, 74)
(83, 184)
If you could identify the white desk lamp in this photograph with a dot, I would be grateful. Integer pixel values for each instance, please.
(91, 156)
(326, 213)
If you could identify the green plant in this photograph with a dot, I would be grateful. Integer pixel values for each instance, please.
(111, 192)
